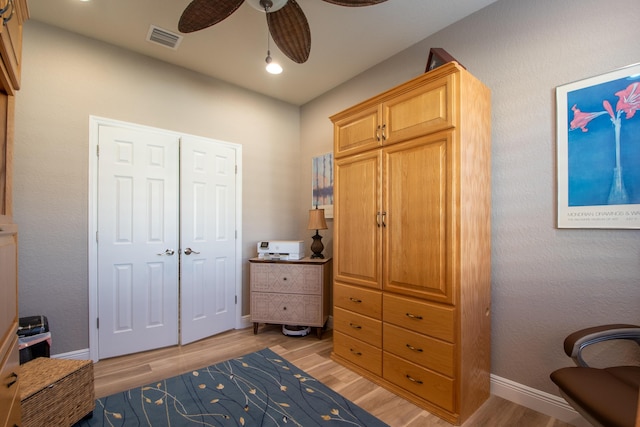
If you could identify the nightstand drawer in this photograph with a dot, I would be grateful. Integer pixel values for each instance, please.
(359, 300)
(287, 309)
(360, 353)
(288, 278)
(358, 326)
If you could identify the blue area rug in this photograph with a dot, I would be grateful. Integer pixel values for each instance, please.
(259, 389)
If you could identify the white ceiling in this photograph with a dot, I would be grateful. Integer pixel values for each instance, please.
(345, 41)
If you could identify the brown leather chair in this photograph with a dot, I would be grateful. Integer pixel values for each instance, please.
(606, 397)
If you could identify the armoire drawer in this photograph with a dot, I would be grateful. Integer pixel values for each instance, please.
(419, 349)
(287, 278)
(359, 300)
(9, 384)
(419, 316)
(420, 381)
(358, 326)
(360, 353)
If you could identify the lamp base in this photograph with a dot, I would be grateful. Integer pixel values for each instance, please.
(317, 247)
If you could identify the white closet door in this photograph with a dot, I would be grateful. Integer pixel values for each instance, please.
(208, 238)
(137, 240)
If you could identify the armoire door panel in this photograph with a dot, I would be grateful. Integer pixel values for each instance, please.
(416, 200)
(358, 234)
(357, 133)
(419, 111)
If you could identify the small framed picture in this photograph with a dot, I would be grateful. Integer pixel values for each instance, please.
(322, 184)
(438, 57)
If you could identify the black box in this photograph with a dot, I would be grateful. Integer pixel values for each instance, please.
(34, 338)
(32, 325)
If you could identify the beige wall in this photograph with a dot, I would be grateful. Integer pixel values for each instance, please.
(546, 281)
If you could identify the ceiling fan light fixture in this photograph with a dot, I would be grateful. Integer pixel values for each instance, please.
(274, 5)
(272, 67)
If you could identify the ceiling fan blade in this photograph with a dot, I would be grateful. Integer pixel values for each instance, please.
(355, 3)
(290, 31)
(205, 13)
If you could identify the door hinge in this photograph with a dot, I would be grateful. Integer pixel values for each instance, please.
(97, 323)
(236, 299)
(98, 150)
(97, 237)
(236, 169)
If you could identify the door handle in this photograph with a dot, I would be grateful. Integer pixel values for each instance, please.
(189, 251)
(168, 252)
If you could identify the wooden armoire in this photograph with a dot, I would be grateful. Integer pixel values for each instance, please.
(412, 241)
(14, 13)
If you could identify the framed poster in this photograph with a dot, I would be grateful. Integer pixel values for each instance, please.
(322, 183)
(598, 145)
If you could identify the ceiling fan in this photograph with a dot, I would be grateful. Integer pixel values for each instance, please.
(287, 23)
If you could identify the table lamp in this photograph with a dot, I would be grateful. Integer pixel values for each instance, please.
(317, 222)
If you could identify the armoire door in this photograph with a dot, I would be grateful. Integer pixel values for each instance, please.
(137, 241)
(358, 233)
(417, 200)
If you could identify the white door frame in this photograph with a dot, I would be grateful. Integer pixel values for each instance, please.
(94, 123)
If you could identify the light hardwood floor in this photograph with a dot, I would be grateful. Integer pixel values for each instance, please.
(309, 354)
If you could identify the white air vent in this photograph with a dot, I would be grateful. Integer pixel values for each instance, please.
(163, 37)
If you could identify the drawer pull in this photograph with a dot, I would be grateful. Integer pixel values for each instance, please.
(14, 379)
(356, 353)
(410, 347)
(413, 316)
(354, 326)
(413, 380)
(357, 301)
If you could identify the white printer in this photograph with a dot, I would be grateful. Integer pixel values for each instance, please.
(281, 249)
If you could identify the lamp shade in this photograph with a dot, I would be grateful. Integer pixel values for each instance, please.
(316, 220)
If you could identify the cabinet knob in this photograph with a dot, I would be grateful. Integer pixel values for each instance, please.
(412, 348)
(13, 379)
(413, 316)
(4, 10)
(413, 380)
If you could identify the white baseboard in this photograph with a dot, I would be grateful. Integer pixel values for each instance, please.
(245, 322)
(75, 355)
(537, 400)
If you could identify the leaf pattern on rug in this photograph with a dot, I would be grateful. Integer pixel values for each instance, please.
(258, 389)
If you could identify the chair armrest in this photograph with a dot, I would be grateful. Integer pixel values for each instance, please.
(577, 341)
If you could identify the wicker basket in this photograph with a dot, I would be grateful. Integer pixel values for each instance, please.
(56, 392)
